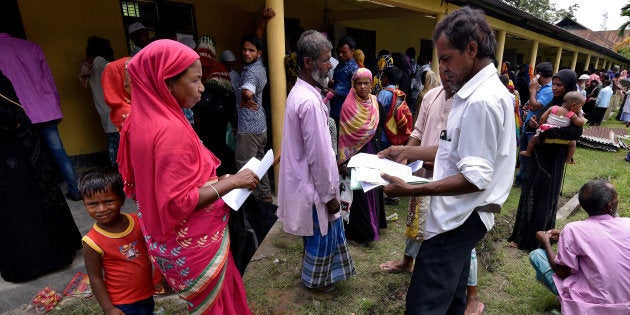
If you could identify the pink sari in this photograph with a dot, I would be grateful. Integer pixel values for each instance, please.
(358, 120)
(163, 164)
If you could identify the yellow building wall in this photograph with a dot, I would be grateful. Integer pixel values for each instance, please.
(62, 32)
(225, 21)
(396, 34)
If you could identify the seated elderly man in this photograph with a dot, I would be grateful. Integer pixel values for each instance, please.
(591, 271)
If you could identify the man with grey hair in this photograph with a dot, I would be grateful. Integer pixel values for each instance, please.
(308, 166)
(475, 152)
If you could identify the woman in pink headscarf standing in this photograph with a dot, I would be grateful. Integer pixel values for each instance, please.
(172, 177)
(358, 123)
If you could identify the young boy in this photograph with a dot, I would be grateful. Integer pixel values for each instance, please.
(561, 116)
(114, 250)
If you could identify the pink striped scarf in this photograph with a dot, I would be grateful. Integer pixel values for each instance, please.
(357, 124)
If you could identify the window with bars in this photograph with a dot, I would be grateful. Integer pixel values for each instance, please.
(159, 17)
(130, 9)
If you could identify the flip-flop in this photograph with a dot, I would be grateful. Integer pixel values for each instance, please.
(392, 266)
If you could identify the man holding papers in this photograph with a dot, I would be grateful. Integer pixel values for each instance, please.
(308, 186)
(473, 164)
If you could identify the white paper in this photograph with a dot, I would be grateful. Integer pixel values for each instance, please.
(415, 166)
(366, 170)
(236, 197)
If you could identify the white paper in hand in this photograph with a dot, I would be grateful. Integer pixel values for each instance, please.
(366, 171)
(236, 197)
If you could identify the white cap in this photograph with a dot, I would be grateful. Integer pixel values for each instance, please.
(227, 56)
(584, 77)
(135, 27)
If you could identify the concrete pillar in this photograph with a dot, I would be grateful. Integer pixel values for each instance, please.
(277, 77)
(500, 48)
(604, 64)
(534, 52)
(596, 63)
(587, 63)
(556, 64)
(435, 61)
(574, 61)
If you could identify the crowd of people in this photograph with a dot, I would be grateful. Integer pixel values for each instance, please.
(168, 143)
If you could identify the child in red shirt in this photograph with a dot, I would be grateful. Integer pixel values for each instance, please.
(114, 250)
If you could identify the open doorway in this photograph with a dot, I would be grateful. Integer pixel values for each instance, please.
(162, 19)
(366, 41)
(10, 19)
(426, 51)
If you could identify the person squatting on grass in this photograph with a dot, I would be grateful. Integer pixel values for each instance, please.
(590, 273)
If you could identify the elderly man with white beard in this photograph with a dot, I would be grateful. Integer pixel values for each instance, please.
(308, 165)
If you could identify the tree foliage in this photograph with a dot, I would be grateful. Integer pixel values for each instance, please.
(544, 10)
(625, 11)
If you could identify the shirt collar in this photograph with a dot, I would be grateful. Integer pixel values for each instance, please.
(253, 63)
(600, 217)
(309, 87)
(474, 82)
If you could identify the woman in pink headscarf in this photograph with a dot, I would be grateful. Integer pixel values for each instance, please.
(358, 123)
(172, 176)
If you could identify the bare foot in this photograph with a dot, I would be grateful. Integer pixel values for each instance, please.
(472, 306)
(524, 153)
(396, 266)
(569, 161)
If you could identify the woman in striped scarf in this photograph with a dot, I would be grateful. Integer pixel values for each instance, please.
(358, 123)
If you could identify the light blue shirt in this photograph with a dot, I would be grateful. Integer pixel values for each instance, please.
(603, 98)
(544, 97)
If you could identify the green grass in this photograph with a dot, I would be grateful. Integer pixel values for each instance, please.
(507, 282)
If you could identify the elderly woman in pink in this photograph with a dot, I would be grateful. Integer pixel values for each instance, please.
(172, 177)
(358, 123)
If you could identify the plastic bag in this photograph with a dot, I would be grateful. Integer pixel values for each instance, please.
(345, 196)
(416, 218)
(45, 300)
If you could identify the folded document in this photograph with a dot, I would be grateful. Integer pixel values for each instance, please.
(236, 197)
(366, 169)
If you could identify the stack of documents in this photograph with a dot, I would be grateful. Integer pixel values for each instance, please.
(366, 169)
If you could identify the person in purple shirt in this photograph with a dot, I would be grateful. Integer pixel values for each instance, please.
(591, 271)
(23, 62)
(308, 166)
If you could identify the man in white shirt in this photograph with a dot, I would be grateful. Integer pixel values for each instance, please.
(474, 161)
